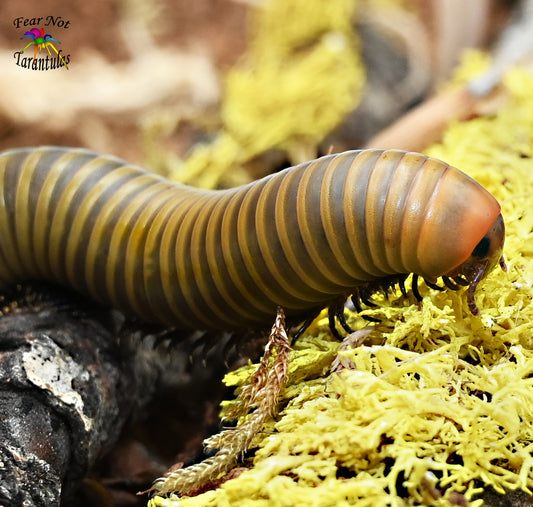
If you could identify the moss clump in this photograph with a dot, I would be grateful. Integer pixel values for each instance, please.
(297, 83)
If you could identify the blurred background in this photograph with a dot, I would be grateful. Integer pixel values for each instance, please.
(235, 88)
(130, 63)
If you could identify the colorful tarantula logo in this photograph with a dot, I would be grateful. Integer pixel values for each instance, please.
(41, 41)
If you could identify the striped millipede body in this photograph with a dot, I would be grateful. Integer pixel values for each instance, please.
(304, 238)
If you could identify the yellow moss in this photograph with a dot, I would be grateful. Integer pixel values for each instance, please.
(473, 64)
(436, 400)
(296, 84)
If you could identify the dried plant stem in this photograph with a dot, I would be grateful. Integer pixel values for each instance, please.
(261, 392)
(425, 124)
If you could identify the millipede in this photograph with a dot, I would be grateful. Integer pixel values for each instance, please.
(305, 238)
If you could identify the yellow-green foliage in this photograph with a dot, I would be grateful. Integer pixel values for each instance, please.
(296, 84)
(436, 401)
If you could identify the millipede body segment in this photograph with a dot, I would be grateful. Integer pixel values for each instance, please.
(302, 238)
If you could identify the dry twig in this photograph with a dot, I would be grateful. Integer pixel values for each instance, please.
(261, 392)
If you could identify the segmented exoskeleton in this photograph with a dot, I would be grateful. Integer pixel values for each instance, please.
(304, 238)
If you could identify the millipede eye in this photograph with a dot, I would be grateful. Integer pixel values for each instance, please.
(482, 248)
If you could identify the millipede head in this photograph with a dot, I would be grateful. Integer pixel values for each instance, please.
(485, 256)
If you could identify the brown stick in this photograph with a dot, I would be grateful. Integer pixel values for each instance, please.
(425, 124)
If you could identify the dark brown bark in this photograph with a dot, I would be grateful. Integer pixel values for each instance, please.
(65, 391)
(73, 375)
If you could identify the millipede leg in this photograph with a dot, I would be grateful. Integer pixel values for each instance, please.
(434, 286)
(359, 309)
(367, 302)
(414, 288)
(331, 322)
(401, 284)
(449, 283)
(460, 281)
(304, 326)
(342, 319)
(356, 304)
